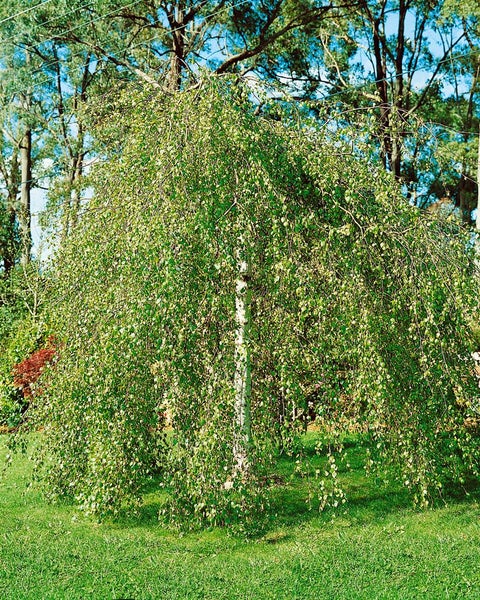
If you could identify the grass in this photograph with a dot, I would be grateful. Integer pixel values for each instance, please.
(378, 546)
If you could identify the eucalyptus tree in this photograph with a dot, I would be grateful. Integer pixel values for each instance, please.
(157, 41)
(395, 60)
(391, 58)
(449, 156)
(18, 122)
(79, 49)
(73, 75)
(49, 93)
(24, 90)
(465, 16)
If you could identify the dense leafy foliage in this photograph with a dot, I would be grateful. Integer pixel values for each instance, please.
(357, 299)
(419, 82)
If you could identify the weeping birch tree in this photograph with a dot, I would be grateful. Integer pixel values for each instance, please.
(228, 265)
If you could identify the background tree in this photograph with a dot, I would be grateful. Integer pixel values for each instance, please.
(398, 61)
(155, 41)
(368, 55)
(465, 94)
(18, 122)
(77, 50)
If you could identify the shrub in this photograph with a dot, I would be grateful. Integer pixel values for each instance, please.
(20, 343)
(27, 372)
(22, 331)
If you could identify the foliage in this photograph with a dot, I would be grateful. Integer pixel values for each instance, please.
(59, 57)
(21, 342)
(27, 372)
(350, 297)
(370, 57)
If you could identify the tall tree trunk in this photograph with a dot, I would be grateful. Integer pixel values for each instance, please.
(381, 82)
(465, 198)
(9, 253)
(396, 154)
(243, 367)
(177, 59)
(25, 214)
(12, 176)
(75, 147)
(397, 112)
(477, 221)
(391, 101)
(71, 203)
(466, 187)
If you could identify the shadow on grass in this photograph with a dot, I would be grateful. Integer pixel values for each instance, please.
(295, 504)
(458, 493)
(294, 491)
(369, 498)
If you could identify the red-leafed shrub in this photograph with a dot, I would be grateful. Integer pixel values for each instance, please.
(29, 370)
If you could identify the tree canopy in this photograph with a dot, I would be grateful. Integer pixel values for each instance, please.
(410, 64)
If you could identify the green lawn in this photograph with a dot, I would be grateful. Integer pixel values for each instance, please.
(378, 547)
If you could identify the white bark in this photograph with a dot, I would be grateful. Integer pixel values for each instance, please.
(243, 373)
(477, 218)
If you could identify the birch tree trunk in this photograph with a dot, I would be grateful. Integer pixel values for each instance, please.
(477, 218)
(243, 367)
